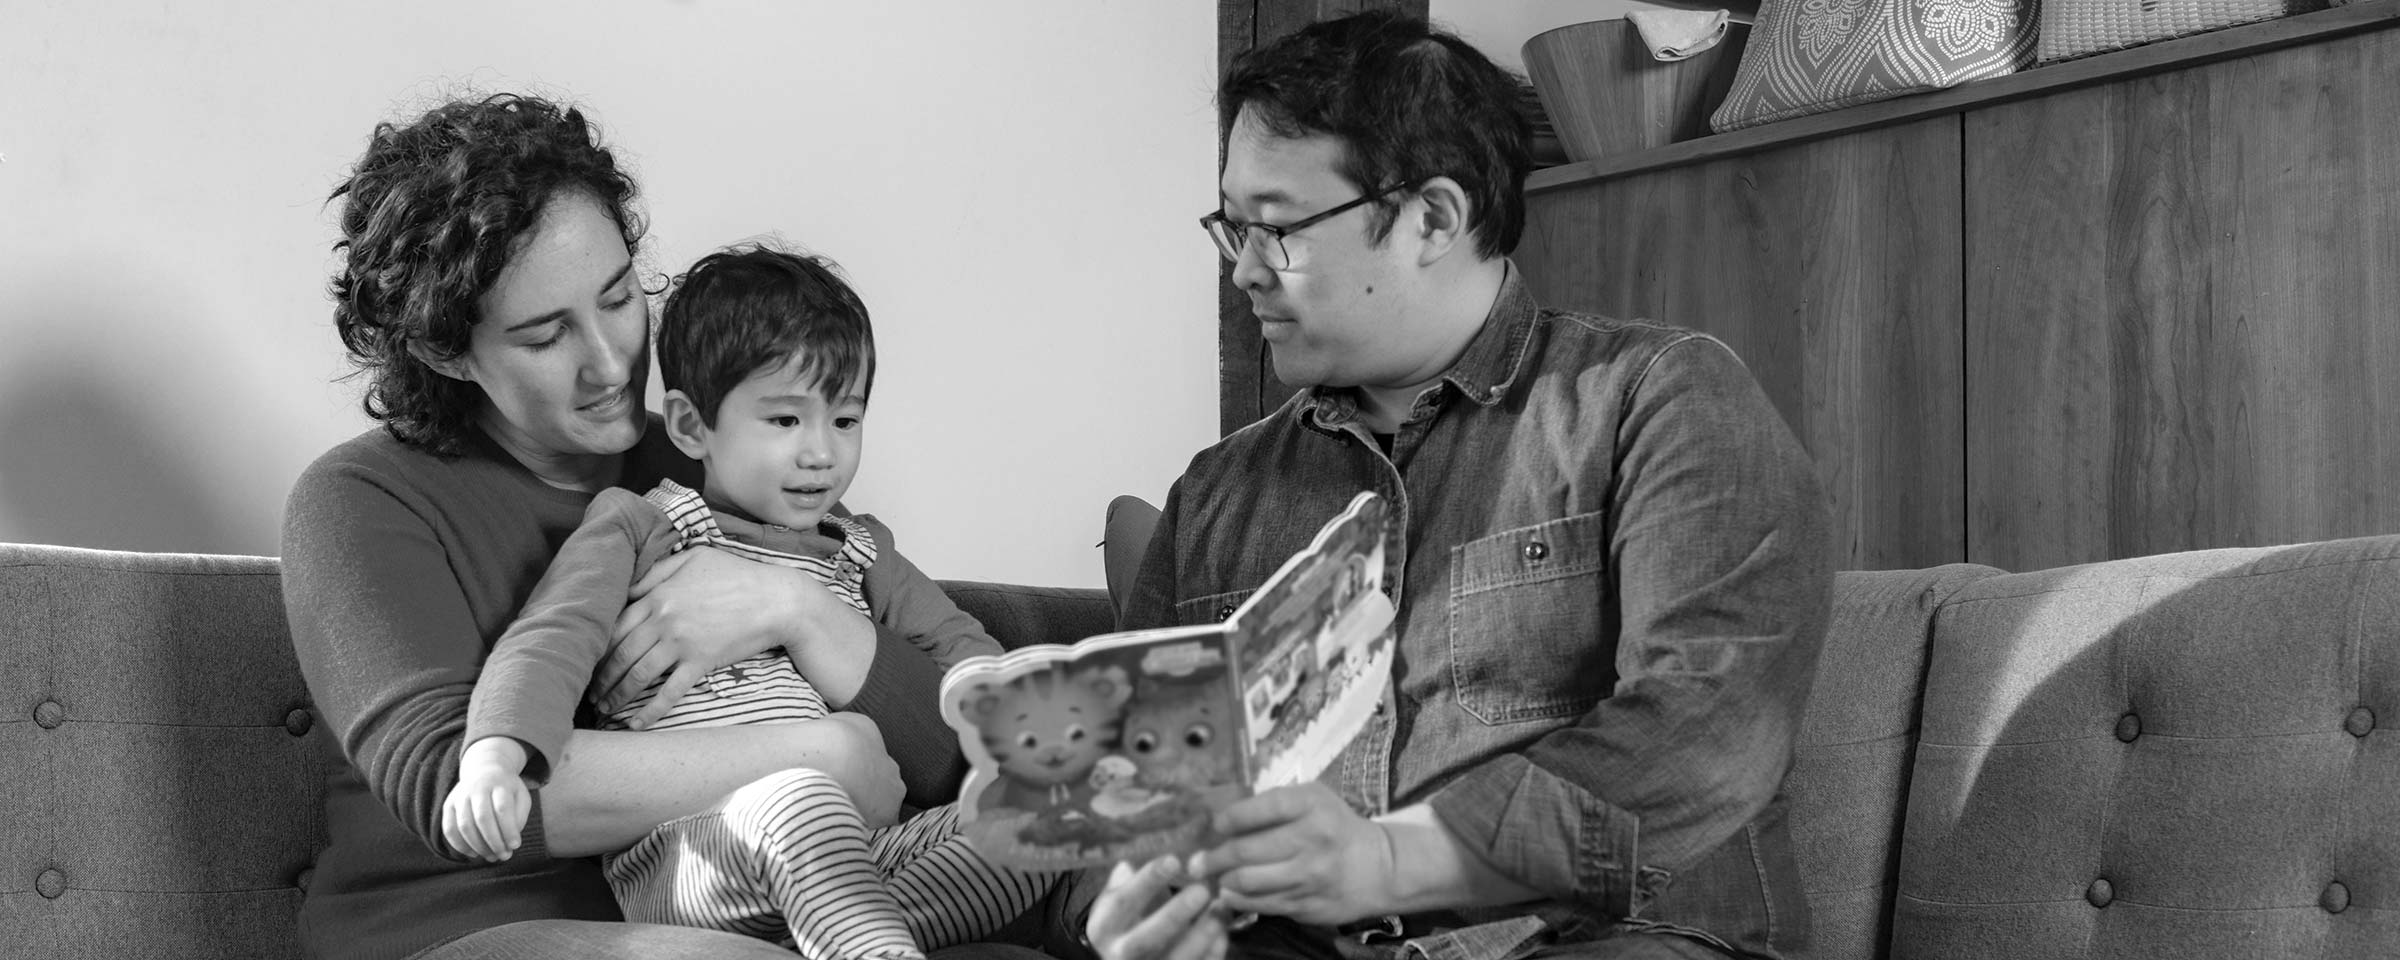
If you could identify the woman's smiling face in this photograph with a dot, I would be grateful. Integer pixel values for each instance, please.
(561, 343)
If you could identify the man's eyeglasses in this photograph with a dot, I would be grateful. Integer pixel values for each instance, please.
(1232, 235)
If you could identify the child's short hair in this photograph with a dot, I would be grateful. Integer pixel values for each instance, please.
(750, 308)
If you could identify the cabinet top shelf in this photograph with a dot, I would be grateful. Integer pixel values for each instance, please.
(2358, 17)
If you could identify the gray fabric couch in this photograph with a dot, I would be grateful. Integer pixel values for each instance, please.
(2177, 756)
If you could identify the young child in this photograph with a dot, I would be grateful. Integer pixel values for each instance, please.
(768, 359)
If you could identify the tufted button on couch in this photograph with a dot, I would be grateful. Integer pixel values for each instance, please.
(2175, 756)
(2171, 756)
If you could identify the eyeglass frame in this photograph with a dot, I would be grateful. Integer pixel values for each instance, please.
(1241, 228)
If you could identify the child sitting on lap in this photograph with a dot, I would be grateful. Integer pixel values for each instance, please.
(768, 359)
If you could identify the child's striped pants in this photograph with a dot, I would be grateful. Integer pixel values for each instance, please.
(787, 858)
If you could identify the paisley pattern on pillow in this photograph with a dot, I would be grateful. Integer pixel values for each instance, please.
(1810, 56)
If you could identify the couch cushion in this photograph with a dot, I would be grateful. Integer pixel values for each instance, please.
(163, 795)
(1128, 525)
(2174, 756)
(1848, 777)
(1019, 615)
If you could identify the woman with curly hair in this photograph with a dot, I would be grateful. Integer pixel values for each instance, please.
(489, 296)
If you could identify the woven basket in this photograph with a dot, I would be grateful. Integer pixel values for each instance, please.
(2075, 28)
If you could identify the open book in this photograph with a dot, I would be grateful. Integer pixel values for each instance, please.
(1121, 747)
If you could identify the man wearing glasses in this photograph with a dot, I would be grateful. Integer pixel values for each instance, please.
(1612, 582)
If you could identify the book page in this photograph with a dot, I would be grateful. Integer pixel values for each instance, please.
(1316, 649)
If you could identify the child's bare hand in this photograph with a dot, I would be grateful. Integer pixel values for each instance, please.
(485, 814)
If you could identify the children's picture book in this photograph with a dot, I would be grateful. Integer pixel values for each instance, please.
(1122, 746)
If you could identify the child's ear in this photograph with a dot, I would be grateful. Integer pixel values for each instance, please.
(684, 425)
(453, 367)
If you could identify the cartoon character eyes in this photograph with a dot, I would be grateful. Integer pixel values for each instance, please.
(1028, 740)
(1196, 736)
(1075, 733)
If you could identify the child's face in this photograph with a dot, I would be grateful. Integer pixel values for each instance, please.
(781, 451)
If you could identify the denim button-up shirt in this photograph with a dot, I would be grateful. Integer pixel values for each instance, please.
(1611, 567)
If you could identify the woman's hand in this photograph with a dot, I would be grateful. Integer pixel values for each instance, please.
(1140, 915)
(704, 608)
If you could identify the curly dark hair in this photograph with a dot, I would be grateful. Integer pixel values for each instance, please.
(1409, 101)
(752, 307)
(430, 215)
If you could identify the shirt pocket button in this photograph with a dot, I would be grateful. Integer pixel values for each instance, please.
(1535, 550)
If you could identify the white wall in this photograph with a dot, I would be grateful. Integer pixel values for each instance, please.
(1012, 192)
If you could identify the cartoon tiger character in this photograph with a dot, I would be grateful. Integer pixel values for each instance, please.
(1176, 734)
(1046, 730)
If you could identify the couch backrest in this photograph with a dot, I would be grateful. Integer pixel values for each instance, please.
(2184, 756)
(1850, 773)
(162, 797)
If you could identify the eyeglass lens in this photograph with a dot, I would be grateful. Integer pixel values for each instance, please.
(1231, 237)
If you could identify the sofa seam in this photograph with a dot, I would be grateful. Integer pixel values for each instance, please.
(1937, 597)
(2111, 736)
(2148, 578)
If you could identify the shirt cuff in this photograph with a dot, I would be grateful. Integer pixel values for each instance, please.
(902, 694)
(533, 844)
(1544, 832)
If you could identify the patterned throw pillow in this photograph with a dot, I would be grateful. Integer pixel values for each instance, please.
(1810, 56)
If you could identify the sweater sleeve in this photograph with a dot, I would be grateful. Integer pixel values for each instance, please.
(540, 668)
(904, 599)
(385, 638)
(919, 634)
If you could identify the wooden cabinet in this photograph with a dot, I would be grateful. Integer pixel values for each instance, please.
(2141, 302)
(2181, 309)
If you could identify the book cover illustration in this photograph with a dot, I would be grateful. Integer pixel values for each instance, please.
(1120, 747)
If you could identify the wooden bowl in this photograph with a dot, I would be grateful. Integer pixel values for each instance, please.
(1607, 95)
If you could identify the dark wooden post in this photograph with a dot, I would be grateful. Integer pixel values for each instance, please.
(1246, 384)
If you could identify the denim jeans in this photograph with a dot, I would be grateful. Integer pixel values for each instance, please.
(1277, 939)
(610, 940)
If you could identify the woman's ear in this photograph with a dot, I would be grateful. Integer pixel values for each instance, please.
(684, 425)
(1444, 225)
(453, 367)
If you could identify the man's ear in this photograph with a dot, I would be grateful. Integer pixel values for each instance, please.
(684, 425)
(453, 367)
(1443, 226)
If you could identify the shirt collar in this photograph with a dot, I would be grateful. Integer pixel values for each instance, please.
(1485, 373)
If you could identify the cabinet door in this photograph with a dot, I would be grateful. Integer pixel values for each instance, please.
(2181, 309)
(1832, 268)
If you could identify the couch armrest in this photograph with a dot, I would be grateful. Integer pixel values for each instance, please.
(1018, 615)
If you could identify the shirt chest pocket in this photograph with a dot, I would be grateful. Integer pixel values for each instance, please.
(1213, 608)
(1526, 636)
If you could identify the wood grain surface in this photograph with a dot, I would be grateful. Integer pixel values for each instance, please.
(2115, 66)
(2181, 309)
(1832, 268)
